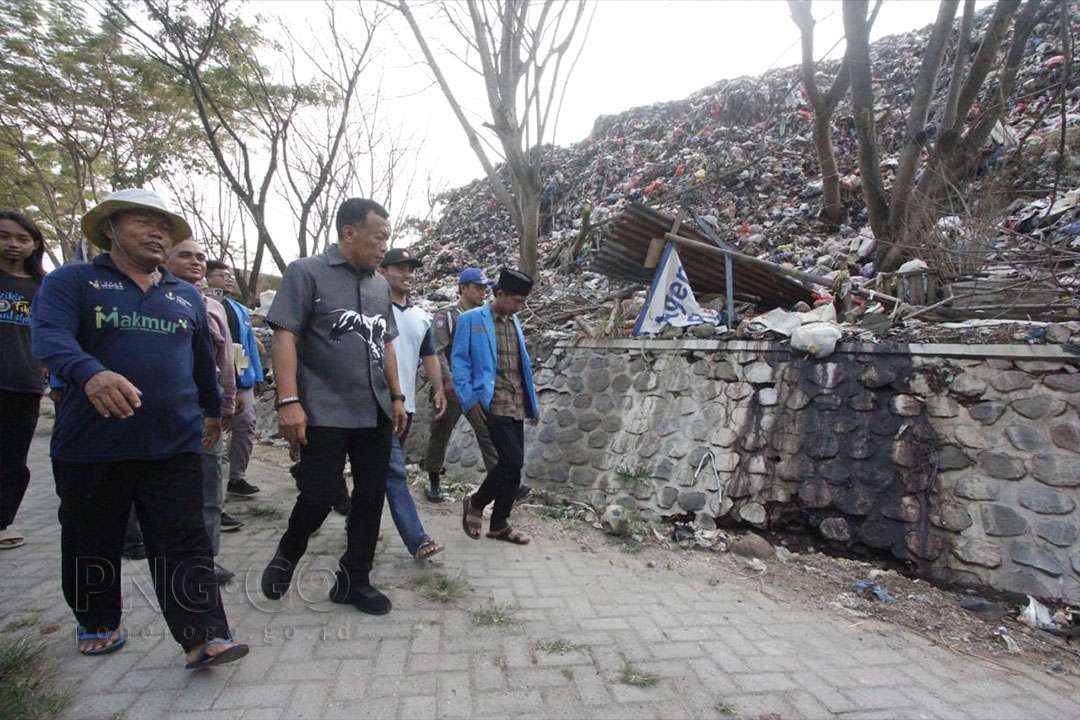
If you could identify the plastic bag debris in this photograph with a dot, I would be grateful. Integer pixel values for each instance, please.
(777, 320)
(1037, 615)
(681, 532)
(912, 266)
(873, 591)
(1011, 645)
(818, 339)
(757, 566)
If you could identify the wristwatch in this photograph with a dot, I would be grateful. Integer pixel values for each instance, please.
(395, 398)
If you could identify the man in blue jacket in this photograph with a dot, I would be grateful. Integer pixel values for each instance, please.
(131, 344)
(493, 382)
(248, 377)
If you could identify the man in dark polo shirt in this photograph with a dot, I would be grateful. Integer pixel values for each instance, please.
(338, 396)
(131, 345)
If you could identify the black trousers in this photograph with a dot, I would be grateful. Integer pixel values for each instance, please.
(95, 499)
(18, 419)
(502, 481)
(322, 462)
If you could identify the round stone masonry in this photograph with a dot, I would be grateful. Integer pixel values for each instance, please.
(1046, 501)
(853, 441)
(1056, 469)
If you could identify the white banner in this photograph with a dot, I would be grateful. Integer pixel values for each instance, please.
(670, 300)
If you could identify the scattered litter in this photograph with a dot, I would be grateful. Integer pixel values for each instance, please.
(682, 532)
(739, 155)
(1037, 615)
(757, 565)
(1002, 632)
(980, 607)
(872, 590)
(818, 339)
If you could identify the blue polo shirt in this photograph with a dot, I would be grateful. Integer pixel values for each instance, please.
(91, 317)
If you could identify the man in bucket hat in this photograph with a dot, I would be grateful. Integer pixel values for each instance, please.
(130, 343)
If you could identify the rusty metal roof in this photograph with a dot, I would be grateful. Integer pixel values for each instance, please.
(622, 250)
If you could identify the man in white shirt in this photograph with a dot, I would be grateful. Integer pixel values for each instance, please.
(412, 346)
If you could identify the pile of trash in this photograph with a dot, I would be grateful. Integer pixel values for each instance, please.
(739, 154)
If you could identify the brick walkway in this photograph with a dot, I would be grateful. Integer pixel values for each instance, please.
(717, 651)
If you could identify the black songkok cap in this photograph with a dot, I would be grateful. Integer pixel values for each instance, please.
(514, 282)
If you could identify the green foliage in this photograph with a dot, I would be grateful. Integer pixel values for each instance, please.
(557, 647)
(630, 675)
(494, 615)
(83, 115)
(441, 588)
(632, 478)
(29, 684)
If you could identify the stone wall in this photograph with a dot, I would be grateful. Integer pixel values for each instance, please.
(964, 460)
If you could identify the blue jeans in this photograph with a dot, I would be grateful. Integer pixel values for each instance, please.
(402, 507)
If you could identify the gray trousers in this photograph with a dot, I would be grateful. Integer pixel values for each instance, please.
(441, 430)
(243, 435)
(213, 493)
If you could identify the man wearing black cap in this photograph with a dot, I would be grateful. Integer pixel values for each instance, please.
(493, 381)
(412, 346)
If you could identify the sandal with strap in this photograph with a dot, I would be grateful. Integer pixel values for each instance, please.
(510, 535)
(471, 520)
(205, 659)
(83, 635)
(427, 549)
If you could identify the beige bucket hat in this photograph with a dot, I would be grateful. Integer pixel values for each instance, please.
(93, 222)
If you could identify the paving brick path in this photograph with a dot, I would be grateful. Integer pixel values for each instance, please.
(723, 651)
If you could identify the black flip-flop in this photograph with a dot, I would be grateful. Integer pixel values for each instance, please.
(225, 656)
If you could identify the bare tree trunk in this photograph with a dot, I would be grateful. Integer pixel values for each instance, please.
(963, 39)
(519, 53)
(915, 134)
(530, 212)
(857, 32)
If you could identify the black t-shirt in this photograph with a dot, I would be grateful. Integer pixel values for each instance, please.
(18, 370)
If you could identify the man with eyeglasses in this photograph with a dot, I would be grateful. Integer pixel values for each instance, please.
(249, 378)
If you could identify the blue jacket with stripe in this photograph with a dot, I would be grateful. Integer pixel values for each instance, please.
(474, 361)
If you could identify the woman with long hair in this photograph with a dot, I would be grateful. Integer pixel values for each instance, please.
(22, 381)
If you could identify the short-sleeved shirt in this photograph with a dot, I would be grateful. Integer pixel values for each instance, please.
(442, 336)
(412, 343)
(19, 372)
(509, 397)
(343, 320)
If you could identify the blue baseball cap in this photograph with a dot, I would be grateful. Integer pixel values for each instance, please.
(473, 276)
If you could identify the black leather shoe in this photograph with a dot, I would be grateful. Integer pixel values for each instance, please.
(522, 493)
(222, 576)
(277, 577)
(365, 598)
(229, 523)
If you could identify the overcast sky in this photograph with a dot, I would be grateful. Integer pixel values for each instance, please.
(638, 52)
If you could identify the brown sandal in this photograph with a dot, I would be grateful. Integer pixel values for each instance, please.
(510, 535)
(471, 520)
(429, 548)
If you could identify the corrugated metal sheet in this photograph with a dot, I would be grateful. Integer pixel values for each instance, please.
(623, 248)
